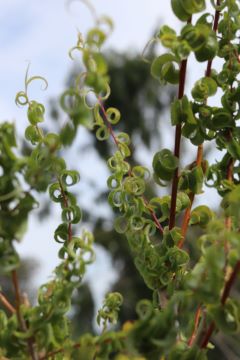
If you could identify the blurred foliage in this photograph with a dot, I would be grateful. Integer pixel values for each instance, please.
(82, 310)
(27, 269)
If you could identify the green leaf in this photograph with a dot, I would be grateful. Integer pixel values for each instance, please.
(167, 36)
(163, 69)
(96, 37)
(56, 193)
(221, 119)
(71, 214)
(164, 164)
(121, 224)
(181, 112)
(227, 316)
(192, 180)
(102, 133)
(71, 102)
(70, 177)
(196, 36)
(32, 134)
(183, 9)
(204, 88)
(201, 215)
(52, 141)
(35, 112)
(113, 115)
(209, 50)
(61, 233)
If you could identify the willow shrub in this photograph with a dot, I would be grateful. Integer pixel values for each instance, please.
(191, 299)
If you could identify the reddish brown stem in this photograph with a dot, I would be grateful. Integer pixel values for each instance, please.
(75, 346)
(187, 213)
(178, 134)
(17, 298)
(215, 28)
(154, 217)
(228, 219)
(22, 323)
(65, 201)
(186, 217)
(230, 283)
(7, 304)
(55, 352)
(226, 291)
(196, 323)
(157, 223)
(207, 335)
(228, 223)
(109, 126)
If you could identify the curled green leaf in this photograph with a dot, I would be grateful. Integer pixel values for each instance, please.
(70, 177)
(183, 9)
(201, 215)
(32, 134)
(113, 115)
(102, 133)
(204, 88)
(21, 98)
(71, 102)
(96, 37)
(61, 233)
(55, 192)
(164, 164)
(121, 224)
(163, 68)
(71, 214)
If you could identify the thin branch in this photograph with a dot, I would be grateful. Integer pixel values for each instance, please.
(226, 291)
(215, 28)
(207, 335)
(21, 321)
(109, 126)
(111, 131)
(186, 217)
(6, 303)
(196, 323)
(228, 223)
(18, 299)
(65, 201)
(75, 346)
(228, 219)
(157, 223)
(230, 283)
(187, 213)
(178, 134)
(199, 159)
(55, 352)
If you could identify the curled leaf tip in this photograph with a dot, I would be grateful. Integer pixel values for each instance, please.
(74, 48)
(45, 83)
(88, 4)
(143, 57)
(28, 80)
